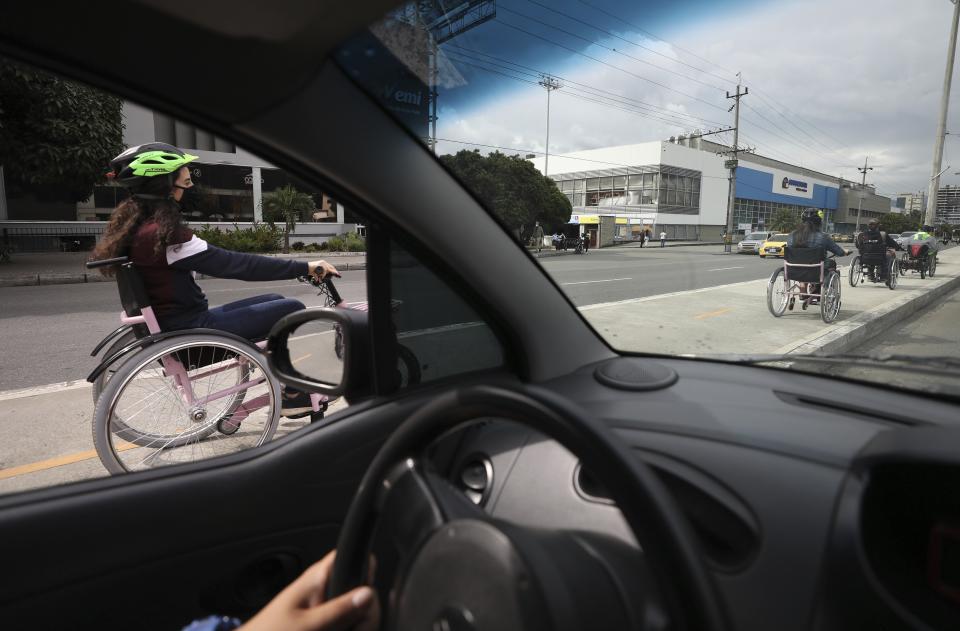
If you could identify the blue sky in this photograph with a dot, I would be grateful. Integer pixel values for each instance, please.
(830, 83)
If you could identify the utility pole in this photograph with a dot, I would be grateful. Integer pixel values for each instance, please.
(931, 213)
(732, 164)
(551, 84)
(863, 186)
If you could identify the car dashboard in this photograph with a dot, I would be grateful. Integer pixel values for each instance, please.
(817, 504)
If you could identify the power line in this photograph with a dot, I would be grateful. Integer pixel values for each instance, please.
(600, 61)
(642, 30)
(594, 98)
(535, 72)
(623, 39)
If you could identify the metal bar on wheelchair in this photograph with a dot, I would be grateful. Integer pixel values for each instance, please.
(244, 410)
(104, 262)
(246, 385)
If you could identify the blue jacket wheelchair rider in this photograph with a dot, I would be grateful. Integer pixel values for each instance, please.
(808, 235)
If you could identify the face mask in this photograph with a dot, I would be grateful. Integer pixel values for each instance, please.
(191, 200)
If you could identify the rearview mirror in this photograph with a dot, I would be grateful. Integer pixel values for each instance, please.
(321, 350)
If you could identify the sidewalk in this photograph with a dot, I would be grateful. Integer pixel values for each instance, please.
(57, 268)
(733, 319)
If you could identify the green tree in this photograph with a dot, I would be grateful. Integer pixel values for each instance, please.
(287, 205)
(56, 136)
(512, 189)
(784, 220)
(895, 223)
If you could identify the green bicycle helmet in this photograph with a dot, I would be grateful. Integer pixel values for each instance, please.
(134, 165)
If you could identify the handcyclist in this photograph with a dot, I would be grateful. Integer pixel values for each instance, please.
(875, 245)
(149, 228)
(808, 235)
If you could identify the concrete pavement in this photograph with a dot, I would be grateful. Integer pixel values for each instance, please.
(733, 318)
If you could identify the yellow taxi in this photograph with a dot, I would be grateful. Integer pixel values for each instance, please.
(774, 245)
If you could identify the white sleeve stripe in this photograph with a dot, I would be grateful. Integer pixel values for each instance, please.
(178, 252)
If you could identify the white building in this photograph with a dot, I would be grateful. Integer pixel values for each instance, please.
(681, 187)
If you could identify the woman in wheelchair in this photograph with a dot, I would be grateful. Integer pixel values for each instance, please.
(876, 250)
(808, 235)
(148, 228)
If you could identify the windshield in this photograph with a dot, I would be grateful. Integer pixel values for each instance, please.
(659, 136)
(779, 237)
(907, 234)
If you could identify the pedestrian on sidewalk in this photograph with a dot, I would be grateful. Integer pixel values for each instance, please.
(643, 237)
(538, 236)
(663, 239)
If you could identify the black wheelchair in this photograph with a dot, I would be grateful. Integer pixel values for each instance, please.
(805, 276)
(874, 267)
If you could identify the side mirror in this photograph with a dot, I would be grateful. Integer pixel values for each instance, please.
(322, 350)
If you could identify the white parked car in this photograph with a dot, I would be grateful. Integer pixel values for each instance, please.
(751, 243)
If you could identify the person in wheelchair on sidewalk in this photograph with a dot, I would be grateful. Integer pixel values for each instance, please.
(149, 228)
(809, 235)
(877, 250)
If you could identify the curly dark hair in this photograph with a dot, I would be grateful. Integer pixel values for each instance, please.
(127, 218)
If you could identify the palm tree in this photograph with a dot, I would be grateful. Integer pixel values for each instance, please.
(287, 204)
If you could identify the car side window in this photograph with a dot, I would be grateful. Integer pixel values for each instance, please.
(439, 333)
(169, 401)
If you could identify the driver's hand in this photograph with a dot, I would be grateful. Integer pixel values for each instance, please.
(848, 252)
(322, 269)
(300, 607)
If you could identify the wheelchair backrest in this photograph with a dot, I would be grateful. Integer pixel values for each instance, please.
(133, 294)
(803, 256)
(873, 243)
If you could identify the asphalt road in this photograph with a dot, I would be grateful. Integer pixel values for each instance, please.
(49, 331)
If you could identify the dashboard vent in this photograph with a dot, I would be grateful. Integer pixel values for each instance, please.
(475, 479)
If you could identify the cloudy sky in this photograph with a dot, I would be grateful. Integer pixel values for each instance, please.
(831, 81)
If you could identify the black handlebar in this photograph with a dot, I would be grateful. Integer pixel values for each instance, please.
(120, 260)
(327, 283)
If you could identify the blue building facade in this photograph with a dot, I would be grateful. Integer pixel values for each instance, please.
(763, 191)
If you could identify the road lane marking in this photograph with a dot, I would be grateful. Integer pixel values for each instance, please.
(630, 301)
(720, 269)
(48, 389)
(712, 314)
(586, 282)
(52, 463)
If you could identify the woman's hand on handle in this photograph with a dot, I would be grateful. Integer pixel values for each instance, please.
(321, 269)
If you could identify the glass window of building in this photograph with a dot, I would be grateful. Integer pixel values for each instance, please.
(606, 183)
(620, 182)
(636, 182)
(578, 185)
(593, 184)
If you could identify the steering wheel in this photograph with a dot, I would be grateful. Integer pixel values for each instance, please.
(460, 568)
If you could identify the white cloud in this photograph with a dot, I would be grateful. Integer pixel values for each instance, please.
(859, 78)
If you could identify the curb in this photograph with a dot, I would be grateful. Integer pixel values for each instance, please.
(870, 323)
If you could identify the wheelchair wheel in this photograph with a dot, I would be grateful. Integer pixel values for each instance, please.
(143, 420)
(408, 365)
(777, 296)
(101, 381)
(830, 297)
(856, 271)
(893, 274)
(933, 266)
